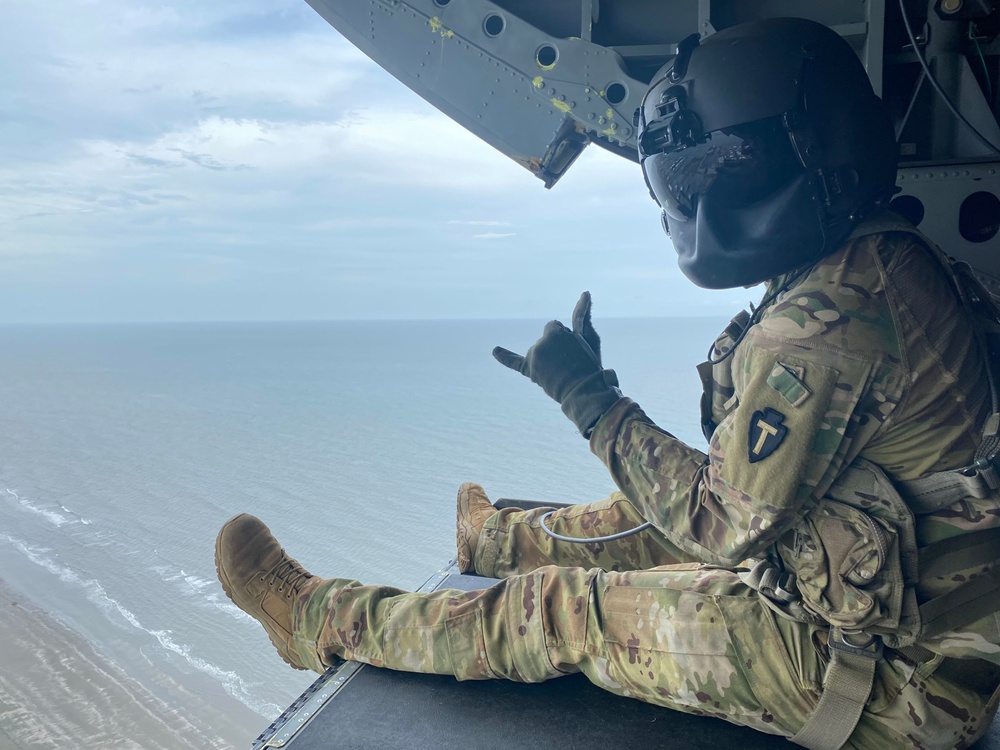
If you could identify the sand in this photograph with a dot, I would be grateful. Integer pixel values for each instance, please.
(58, 692)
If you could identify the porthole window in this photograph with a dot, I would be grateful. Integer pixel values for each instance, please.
(616, 93)
(910, 207)
(494, 24)
(546, 56)
(979, 217)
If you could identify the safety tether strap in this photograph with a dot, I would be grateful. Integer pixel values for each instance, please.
(943, 488)
(846, 687)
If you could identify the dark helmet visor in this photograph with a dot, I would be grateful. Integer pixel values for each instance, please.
(740, 167)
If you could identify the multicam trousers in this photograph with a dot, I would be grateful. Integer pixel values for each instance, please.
(638, 620)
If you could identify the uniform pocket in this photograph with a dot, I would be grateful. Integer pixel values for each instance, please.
(675, 647)
(848, 566)
(467, 647)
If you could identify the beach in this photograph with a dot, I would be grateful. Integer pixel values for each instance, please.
(57, 691)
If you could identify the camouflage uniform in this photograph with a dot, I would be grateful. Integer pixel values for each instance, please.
(868, 356)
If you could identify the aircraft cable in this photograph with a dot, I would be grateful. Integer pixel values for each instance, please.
(587, 540)
(937, 87)
(909, 108)
(986, 70)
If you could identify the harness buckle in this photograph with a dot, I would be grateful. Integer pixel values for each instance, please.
(787, 590)
(979, 463)
(872, 648)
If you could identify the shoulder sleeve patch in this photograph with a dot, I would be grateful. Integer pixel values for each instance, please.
(766, 434)
(774, 453)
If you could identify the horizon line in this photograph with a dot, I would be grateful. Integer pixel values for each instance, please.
(244, 321)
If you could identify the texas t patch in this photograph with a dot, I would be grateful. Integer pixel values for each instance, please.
(766, 433)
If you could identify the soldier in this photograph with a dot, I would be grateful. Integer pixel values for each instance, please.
(852, 427)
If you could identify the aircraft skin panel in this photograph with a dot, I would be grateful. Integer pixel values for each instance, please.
(539, 80)
(534, 97)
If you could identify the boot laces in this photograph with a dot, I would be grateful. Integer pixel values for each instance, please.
(290, 574)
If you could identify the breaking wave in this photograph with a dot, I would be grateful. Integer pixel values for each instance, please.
(53, 517)
(195, 587)
(98, 595)
(84, 521)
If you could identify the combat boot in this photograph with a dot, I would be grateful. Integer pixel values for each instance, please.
(473, 510)
(262, 580)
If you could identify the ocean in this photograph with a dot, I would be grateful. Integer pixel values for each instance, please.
(123, 448)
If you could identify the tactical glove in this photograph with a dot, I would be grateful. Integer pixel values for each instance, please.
(567, 365)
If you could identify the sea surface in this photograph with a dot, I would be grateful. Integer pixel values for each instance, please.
(124, 448)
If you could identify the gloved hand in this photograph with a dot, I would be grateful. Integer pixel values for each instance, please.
(567, 365)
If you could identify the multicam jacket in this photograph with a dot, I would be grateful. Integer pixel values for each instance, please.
(868, 357)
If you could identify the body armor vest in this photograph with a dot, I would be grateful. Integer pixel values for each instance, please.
(853, 562)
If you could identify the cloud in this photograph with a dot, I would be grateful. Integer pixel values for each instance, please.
(160, 67)
(404, 148)
(240, 159)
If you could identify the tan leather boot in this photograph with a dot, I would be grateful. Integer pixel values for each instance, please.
(473, 510)
(262, 579)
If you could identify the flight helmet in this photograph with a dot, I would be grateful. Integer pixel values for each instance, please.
(764, 145)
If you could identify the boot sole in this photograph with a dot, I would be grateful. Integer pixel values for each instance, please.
(227, 587)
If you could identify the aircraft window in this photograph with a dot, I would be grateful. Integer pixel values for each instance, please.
(616, 93)
(494, 25)
(910, 207)
(441, 3)
(546, 56)
(979, 217)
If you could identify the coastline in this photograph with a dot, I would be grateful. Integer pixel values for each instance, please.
(58, 691)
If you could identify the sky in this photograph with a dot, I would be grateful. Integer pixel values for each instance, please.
(183, 160)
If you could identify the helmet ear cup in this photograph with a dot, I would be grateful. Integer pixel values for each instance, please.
(854, 128)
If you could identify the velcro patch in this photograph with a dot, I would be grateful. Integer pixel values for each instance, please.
(789, 382)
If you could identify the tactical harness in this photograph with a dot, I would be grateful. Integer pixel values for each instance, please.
(867, 527)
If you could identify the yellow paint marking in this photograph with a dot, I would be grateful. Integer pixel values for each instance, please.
(610, 114)
(437, 26)
(538, 82)
(560, 105)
